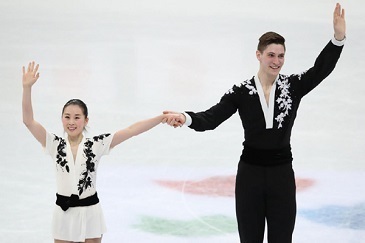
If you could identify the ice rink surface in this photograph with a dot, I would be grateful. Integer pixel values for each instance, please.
(130, 60)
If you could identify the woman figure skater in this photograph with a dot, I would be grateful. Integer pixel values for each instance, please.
(77, 216)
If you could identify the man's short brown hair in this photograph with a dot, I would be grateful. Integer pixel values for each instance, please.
(270, 38)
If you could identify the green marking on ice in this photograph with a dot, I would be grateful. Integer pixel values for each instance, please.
(203, 226)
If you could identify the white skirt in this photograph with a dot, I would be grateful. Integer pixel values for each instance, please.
(78, 223)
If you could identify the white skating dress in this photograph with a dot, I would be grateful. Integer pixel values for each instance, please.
(78, 177)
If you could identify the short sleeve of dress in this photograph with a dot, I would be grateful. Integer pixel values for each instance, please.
(101, 143)
(52, 141)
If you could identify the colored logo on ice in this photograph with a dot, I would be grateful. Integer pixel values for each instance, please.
(351, 217)
(220, 186)
(203, 226)
(216, 186)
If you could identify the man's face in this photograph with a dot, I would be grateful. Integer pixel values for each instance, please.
(271, 59)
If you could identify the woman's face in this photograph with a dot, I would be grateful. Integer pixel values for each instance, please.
(74, 120)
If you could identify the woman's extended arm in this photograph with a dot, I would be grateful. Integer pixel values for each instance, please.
(30, 76)
(139, 127)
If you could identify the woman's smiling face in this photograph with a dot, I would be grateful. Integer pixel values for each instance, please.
(73, 120)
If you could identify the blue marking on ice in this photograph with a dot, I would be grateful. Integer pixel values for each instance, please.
(351, 217)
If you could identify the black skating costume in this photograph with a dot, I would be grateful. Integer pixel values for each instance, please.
(265, 184)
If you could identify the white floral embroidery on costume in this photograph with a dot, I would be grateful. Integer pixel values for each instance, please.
(284, 101)
(248, 85)
(301, 74)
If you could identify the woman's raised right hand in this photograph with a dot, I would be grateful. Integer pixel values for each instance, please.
(31, 75)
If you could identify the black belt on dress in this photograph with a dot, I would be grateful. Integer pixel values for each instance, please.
(74, 201)
(266, 157)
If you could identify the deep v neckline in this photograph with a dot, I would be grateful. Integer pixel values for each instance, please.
(75, 156)
(75, 152)
(267, 107)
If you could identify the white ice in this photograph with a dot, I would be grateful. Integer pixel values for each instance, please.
(130, 60)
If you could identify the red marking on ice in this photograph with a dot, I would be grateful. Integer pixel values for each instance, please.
(220, 186)
(303, 184)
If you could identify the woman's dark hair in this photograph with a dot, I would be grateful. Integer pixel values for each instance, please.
(270, 38)
(79, 103)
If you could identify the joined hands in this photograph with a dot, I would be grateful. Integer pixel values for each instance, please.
(174, 119)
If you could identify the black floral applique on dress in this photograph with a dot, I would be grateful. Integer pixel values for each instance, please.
(85, 178)
(61, 153)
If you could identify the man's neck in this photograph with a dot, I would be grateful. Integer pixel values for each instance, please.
(266, 80)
